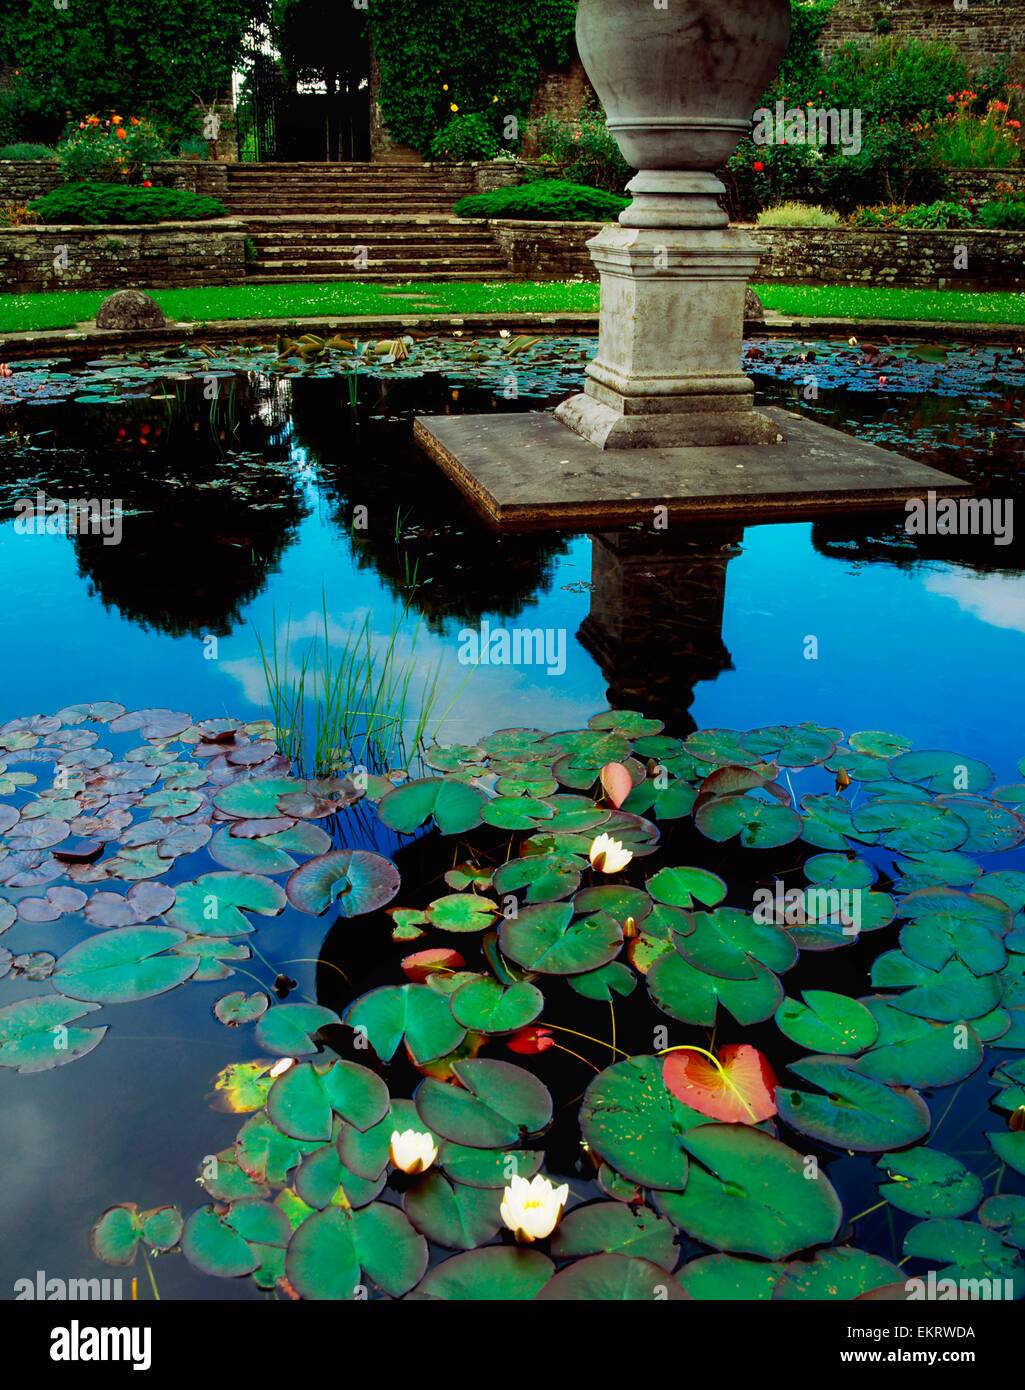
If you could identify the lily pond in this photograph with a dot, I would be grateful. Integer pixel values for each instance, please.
(391, 908)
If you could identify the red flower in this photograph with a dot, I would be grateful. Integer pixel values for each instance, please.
(122, 134)
(950, 100)
(147, 183)
(758, 166)
(529, 1041)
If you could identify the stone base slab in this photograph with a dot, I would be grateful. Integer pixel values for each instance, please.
(529, 472)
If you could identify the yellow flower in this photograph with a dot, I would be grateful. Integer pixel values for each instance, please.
(453, 107)
(608, 856)
(412, 1152)
(444, 87)
(532, 1210)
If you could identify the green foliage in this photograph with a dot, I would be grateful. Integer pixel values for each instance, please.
(797, 215)
(585, 150)
(115, 150)
(468, 55)
(465, 139)
(92, 203)
(145, 56)
(967, 141)
(935, 215)
(547, 200)
(1003, 215)
(26, 150)
(803, 61)
(891, 80)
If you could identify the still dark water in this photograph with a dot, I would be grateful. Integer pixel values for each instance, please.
(245, 513)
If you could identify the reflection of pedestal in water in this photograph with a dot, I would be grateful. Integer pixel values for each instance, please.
(655, 625)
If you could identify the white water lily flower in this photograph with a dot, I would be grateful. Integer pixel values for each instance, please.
(412, 1152)
(532, 1210)
(608, 855)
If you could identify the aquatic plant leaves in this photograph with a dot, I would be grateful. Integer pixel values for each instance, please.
(948, 995)
(759, 824)
(238, 1008)
(948, 924)
(35, 1036)
(615, 1228)
(733, 944)
(290, 1030)
(612, 1278)
(117, 1235)
(454, 806)
(302, 1103)
(927, 1183)
(686, 886)
(748, 1193)
(842, 1273)
(729, 1278)
(411, 1012)
(802, 746)
(739, 1090)
(495, 1104)
(827, 1022)
(216, 903)
(547, 938)
(631, 1120)
(911, 1051)
(683, 991)
(613, 979)
(497, 1273)
(450, 1214)
(854, 1112)
(461, 912)
(942, 771)
(124, 965)
(354, 881)
(1009, 1147)
(991, 827)
(1005, 1215)
(546, 875)
(966, 1252)
(488, 1007)
(910, 827)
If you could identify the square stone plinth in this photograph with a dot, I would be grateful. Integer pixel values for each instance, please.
(529, 472)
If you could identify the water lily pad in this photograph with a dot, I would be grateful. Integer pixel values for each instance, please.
(854, 1112)
(454, 806)
(1009, 1147)
(991, 827)
(949, 995)
(910, 827)
(450, 1214)
(499, 1274)
(759, 824)
(117, 1235)
(124, 965)
(927, 1183)
(411, 1012)
(627, 722)
(302, 1103)
(485, 1006)
(1006, 1216)
(461, 912)
(802, 746)
(842, 1273)
(613, 1278)
(289, 1030)
(684, 887)
(693, 995)
(827, 1022)
(238, 1008)
(34, 1033)
(732, 944)
(942, 771)
(729, 1278)
(249, 855)
(215, 904)
(966, 1252)
(910, 1051)
(748, 1193)
(353, 881)
(632, 1121)
(211, 1244)
(547, 876)
(496, 1104)
(548, 939)
(602, 984)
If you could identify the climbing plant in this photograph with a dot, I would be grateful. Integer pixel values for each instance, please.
(468, 56)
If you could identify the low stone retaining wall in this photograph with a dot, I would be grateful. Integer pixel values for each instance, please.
(167, 255)
(21, 180)
(799, 256)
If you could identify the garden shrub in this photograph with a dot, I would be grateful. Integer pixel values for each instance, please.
(585, 150)
(95, 203)
(25, 150)
(797, 215)
(466, 138)
(1002, 215)
(935, 215)
(14, 215)
(964, 140)
(546, 200)
(119, 149)
(894, 81)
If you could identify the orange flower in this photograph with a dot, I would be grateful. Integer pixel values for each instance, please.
(122, 134)
(135, 120)
(115, 119)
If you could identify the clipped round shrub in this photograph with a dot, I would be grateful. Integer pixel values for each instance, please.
(465, 139)
(96, 203)
(1003, 215)
(26, 150)
(547, 200)
(798, 215)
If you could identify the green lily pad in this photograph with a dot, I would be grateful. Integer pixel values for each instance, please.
(303, 1101)
(936, 868)
(495, 1105)
(942, 771)
(927, 1183)
(451, 1215)
(212, 1244)
(879, 744)
(34, 1033)
(627, 722)
(854, 1112)
(117, 1235)
(802, 746)
(454, 806)
(412, 1012)
(614, 900)
(487, 1007)
(1006, 1216)
(732, 944)
(323, 1179)
(747, 1193)
(613, 1228)
(288, 1029)
(461, 912)
(759, 824)
(910, 1051)
(491, 1168)
(910, 827)
(729, 1278)
(238, 1008)
(354, 881)
(328, 1251)
(683, 991)
(827, 1022)
(966, 1251)
(615, 978)
(632, 1120)
(215, 904)
(499, 1274)
(949, 995)
(548, 939)
(124, 965)
(612, 1278)
(1009, 1147)
(842, 1273)
(685, 887)
(547, 876)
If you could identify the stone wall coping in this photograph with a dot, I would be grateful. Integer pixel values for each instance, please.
(221, 224)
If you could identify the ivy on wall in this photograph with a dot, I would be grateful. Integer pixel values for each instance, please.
(439, 58)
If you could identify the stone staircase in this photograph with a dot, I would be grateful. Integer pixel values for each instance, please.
(323, 222)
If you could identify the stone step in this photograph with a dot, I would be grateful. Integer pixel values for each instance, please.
(386, 263)
(307, 250)
(378, 277)
(353, 206)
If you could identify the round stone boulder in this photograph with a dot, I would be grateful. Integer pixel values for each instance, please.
(754, 311)
(130, 309)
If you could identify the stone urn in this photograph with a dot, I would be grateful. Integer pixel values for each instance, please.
(679, 82)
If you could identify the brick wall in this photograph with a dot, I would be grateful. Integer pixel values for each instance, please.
(983, 33)
(172, 254)
(919, 260)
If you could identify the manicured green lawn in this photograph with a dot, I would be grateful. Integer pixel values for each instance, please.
(63, 310)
